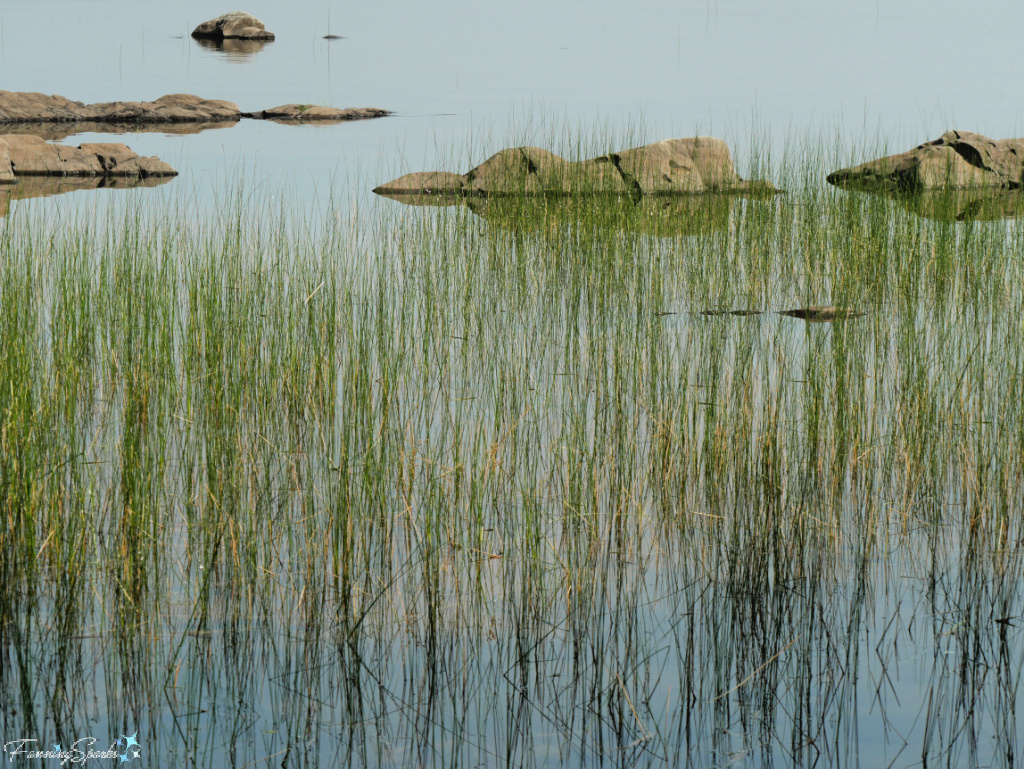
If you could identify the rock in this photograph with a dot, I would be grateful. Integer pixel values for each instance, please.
(181, 109)
(735, 313)
(675, 166)
(425, 183)
(233, 25)
(957, 159)
(19, 107)
(312, 112)
(31, 156)
(521, 170)
(700, 164)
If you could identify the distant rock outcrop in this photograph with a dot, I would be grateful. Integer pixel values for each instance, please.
(24, 155)
(235, 25)
(299, 113)
(956, 160)
(673, 166)
(21, 107)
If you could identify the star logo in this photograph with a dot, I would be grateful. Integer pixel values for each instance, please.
(56, 748)
(131, 747)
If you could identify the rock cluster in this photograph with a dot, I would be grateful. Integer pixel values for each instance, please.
(673, 166)
(26, 155)
(21, 107)
(233, 26)
(957, 159)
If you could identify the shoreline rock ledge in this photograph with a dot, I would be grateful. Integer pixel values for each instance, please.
(674, 166)
(956, 160)
(27, 155)
(23, 108)
(232, 26)
(26, 107)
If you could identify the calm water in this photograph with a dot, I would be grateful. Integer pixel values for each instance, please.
(869, 684)
(453, 71)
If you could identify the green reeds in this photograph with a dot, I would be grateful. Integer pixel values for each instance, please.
(510, 482)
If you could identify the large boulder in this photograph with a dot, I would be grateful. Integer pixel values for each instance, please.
(31, 156)
(957, 159)
(235, 25)
(674, 166)
(700, 164)
(20, 107)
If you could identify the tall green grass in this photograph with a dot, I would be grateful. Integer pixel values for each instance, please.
(452, 487)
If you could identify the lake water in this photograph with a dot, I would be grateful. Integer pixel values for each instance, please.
(871, 658)
(459, 71)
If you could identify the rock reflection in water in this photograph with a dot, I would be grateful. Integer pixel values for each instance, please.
(979, 204)
(58, 131)
(46, 186)
(235, 49)
(966, 205)
(659, 215)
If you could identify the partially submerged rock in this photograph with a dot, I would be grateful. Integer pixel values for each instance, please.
(736, 313)
(24, 155)
(957, 159)
(822, 313)
(674, 166)
(21, 107)
(314, 113)
(235, 25)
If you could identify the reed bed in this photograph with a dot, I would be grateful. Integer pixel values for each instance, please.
(510, 486)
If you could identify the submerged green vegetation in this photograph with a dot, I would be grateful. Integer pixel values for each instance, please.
(418, 485)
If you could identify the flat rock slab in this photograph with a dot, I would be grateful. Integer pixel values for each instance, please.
(313, 113)
(24, 155)
(675, 166)
(21, 107)
(235, 25)
(957, 159)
